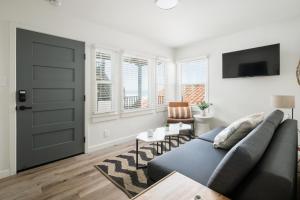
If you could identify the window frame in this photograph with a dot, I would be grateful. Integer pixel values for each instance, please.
(114, 108)
(179, 76)
(164, 105)
(137, 111)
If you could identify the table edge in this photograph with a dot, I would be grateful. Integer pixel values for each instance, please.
(152, 186)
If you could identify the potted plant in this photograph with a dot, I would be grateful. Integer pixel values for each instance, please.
(203, 106)
(167, 127)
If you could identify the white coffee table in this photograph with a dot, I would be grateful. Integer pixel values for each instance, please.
(158, 136)
(174, 131)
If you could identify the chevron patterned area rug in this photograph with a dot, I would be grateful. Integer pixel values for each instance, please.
(121, 169)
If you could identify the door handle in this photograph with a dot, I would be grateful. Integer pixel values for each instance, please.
(24, 108)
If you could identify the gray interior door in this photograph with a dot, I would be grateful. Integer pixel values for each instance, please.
(50, 98)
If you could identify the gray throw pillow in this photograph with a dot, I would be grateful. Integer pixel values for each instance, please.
(236, 131)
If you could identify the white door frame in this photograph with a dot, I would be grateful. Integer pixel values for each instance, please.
(12, 89)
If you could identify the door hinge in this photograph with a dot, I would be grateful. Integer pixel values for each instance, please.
(83, 139)
(84, 98)
(84, 56)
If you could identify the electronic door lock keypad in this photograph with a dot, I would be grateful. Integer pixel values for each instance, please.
(22, 95)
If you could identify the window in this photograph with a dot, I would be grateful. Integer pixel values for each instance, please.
(161, 74)
(135, 83)
(104, 81)
(194, 81)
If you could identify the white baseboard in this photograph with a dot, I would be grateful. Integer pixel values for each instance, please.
(4, 173)
(110, 143)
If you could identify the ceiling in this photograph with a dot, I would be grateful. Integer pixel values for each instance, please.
(190, 21)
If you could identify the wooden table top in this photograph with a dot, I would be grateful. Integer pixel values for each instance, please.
(178, 187)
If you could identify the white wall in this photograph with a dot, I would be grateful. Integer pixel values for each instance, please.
(233, 98)
(4, 70)
(40, 16)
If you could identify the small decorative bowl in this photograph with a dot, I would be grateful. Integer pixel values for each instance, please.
(150, 133)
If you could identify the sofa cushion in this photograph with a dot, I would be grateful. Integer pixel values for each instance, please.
(210, 135)
(237, 131)
(244, 156)
(196, 159)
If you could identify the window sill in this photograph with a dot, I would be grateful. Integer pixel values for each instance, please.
(162, 108)
(102, 117)
(133, 113)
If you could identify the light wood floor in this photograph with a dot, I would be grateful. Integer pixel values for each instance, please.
(72, 178)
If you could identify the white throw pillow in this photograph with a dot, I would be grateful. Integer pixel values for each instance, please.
(237, 131)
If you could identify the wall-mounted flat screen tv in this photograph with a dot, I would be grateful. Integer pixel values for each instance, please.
(260, 61)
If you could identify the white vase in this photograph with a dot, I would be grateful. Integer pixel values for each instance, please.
(204, 113)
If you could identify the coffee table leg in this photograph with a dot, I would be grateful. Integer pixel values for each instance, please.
(161, 147)
(169, 143)
(153, 148)
(137, 153)
(178, 141)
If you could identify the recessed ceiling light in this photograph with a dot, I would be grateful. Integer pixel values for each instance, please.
(55, 2)
(166, 4)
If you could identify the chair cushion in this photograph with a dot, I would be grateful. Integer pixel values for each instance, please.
(179, 112)
(240, 160)
(237, 131)
(196, 159)
(187, 121)
(210, 135)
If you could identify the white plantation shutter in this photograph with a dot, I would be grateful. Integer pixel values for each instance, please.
(161, 75)
(135, 83)
(104, 81)
(194, 81)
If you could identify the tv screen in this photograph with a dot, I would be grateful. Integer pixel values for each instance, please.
(261, 61)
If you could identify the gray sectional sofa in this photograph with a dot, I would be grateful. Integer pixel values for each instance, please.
(261, 166)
